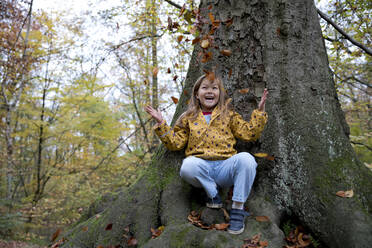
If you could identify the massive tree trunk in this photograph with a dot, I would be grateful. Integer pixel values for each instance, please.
(275, 44)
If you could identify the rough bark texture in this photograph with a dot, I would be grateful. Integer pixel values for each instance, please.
(278, 45)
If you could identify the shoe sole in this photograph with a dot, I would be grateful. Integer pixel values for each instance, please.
(209, 205)
(237, 231)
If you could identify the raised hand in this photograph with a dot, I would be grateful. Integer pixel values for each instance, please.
(261, 105)
(156, 114)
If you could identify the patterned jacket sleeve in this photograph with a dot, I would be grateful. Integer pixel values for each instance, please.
(248, 131)
(174, 139)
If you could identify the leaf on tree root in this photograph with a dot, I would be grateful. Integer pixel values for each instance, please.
(108, 227)
(174, 99)
(132, 242)
(262, 218)
(345, 194)
(204, 43)
(156, 232)
(244, 91)
(221, 226)
(56, 234)
(226, 52)
(255, 242)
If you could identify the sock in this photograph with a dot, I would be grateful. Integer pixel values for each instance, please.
(237, 205)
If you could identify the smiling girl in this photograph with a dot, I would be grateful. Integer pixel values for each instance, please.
(209, 128)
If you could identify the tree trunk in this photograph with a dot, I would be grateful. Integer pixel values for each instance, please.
(278, 45)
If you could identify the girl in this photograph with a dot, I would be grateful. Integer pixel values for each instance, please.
(209, 128)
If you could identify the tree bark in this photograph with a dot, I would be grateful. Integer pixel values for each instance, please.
(276, 45)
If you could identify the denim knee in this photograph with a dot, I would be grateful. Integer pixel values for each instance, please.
(246, 161)
(189, 168)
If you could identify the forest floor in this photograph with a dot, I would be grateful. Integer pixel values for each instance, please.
(18, 244)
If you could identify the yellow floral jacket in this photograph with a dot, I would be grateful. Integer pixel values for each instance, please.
(213, 141)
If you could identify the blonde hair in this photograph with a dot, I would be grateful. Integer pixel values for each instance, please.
(194, 105)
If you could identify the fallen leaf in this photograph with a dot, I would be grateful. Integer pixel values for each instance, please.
(244, 91)
(204, 44)
(262, 218)
(226, 52)
(179, 38)
(182, 10)
(56, 234)
(100, 246)
(211, 17)
(206, 57)
(230, 73)
(155, 71)
(156, 232)
(210, 75)
(260, 155)
(194, 41)
(264, 243)
(226, 214)
(170, 23)
(345, 194)
(108, 227)
(85, 228)
(210, 7)
(302, 242)
(174, 99)
(229, 22)
(132, 242)
(221, 226)
(256, 238)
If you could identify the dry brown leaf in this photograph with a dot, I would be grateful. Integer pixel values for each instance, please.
(264, 243)
(156, 232)
(196, 40)
(262, 218)
(244, 91)
(206, 57)
(85, 228)
(256, 238)
(221, 226)
(226, 52)
(179, 38)
(302, 242)
(226, 214)
(204, 43)
(230, 73)
(132, 242)
(56, 234)
(229, 22)
(155, 71)
(211, 17)
(108, 227)
(174, 99)
(182, 10)
(100, 246)
(345, 194)
(168, 70)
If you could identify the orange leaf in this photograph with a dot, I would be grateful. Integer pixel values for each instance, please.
(210, 7)
(179, 38)
(204, 44)
(211, 17)
(226, 52)
(155, 71)
(221, 226)
(244, 91)
(182, 10)
(132, 242)
(262, 218)
(174, 99)
(216, 23)
(56, 234)
(210, 75)
(263, 243)
(230, 73)
(194, 41)
(108, 227)
(85, 228)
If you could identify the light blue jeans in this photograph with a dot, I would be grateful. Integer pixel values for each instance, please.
(238, 170)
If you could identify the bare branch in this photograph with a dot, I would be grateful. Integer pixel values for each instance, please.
(174, 4)
(358, 143)
(361, 46)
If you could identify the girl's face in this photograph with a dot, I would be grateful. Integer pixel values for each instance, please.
(208, 95)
